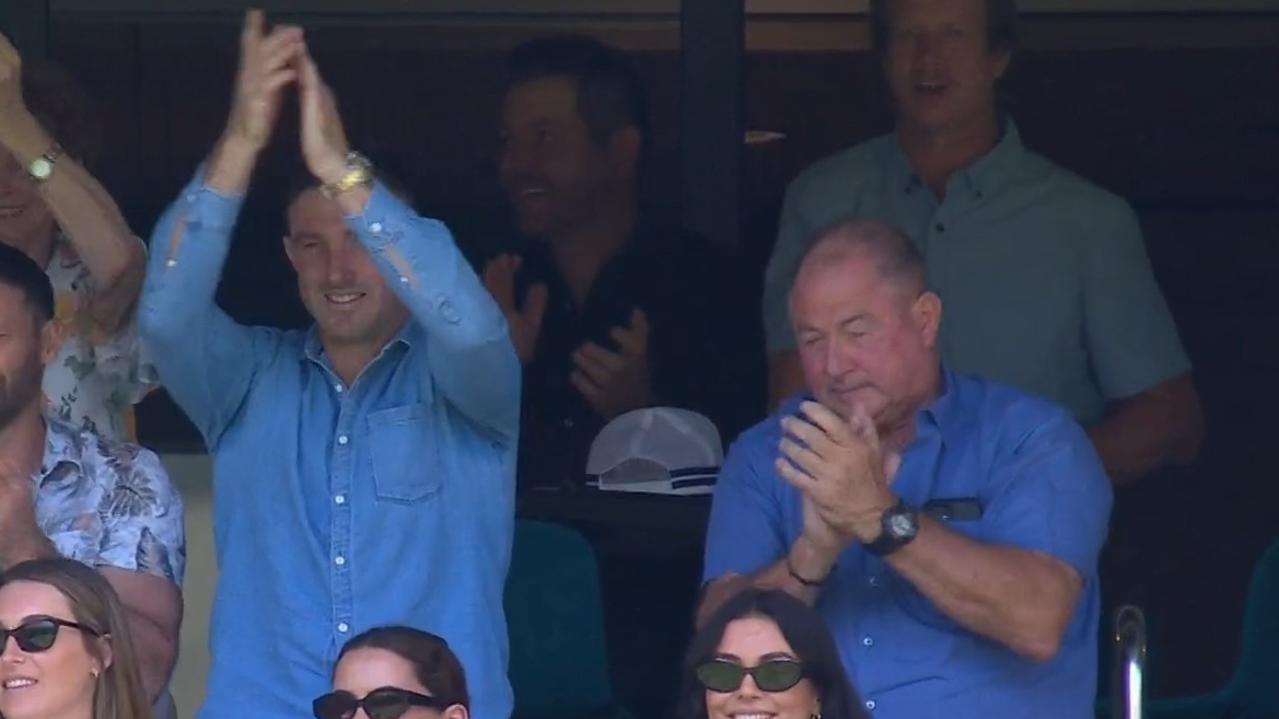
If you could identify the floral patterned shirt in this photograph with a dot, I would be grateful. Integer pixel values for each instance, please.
(106, 503)
(96, 378)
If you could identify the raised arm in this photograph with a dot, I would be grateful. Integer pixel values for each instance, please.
(79, 204)
(206, 360)
(472, 361)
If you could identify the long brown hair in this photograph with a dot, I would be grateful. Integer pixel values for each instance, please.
(118, 693)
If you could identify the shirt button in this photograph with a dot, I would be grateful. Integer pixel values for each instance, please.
(870, 704)
(940, 227)
(403, 280)
(343, 439)
(170, 263)
(376, 227)
(873, 581)
(337, 388)
(568, 424)
(866, 641)
(343, 628)
(191, 197)
(339, 560)
(340, 499)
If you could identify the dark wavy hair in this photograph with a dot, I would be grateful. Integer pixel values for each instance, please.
(803, 628)
(610, 94)
(434, 664)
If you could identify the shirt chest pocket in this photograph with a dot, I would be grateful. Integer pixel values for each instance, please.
(405, 454)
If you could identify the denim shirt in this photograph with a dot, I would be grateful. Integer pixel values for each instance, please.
(336, 508)
(1040, 487)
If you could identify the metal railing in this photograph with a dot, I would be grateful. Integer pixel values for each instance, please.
(1129, 664)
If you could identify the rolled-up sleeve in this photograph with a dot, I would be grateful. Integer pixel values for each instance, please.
(205, 360)
(472, 361)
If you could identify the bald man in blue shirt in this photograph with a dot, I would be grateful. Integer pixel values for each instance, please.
(946, 527)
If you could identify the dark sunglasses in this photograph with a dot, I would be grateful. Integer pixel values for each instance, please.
(37, 635)
(383, 703)
(775, 675)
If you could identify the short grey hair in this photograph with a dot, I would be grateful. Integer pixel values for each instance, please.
(896, 257)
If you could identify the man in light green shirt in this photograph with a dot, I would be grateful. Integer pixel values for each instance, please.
(1045, 275)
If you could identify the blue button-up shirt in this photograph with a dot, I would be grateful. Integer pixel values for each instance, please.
(336, 508)
(1045, 276)
(1040, 486)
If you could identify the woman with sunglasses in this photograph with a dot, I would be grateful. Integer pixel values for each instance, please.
(64, 646)
(394, 673)
(766, 653)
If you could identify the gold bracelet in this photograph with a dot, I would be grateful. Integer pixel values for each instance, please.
(359, 172)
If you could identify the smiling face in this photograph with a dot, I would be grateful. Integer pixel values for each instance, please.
(750, 641)
(939, 64)
(58, 682)
(25, 220)
(338, 282)
(554, 173)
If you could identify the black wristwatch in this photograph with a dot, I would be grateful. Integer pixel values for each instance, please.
(898, 526)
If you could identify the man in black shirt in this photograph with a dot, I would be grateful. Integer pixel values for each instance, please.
(609, 312)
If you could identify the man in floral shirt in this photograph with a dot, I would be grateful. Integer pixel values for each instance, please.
(68, 491)
(52, 209)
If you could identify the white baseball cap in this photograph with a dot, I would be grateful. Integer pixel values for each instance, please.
(657, 450)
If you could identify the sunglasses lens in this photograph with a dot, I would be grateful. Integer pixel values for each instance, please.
(36, 636)
(386, 704)
(721, 676)
(338, 705)
(778, 676)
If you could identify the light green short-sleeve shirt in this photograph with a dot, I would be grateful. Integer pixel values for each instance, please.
(1043, 276)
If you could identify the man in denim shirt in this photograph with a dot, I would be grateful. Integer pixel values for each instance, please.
(364, 468)
(67, 491)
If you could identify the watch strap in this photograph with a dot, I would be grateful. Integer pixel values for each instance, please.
(888, 542)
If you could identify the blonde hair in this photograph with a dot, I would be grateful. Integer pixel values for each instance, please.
(118, 693)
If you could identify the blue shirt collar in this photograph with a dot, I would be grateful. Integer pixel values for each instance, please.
(313, 350)
(945, 413)
(980, 179)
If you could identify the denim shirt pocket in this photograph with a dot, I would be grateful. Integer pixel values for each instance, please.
(405, 454)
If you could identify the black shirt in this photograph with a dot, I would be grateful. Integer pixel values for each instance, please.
(705, 346)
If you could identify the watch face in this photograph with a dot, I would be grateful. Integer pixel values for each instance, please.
(902, 526)
(41, 168)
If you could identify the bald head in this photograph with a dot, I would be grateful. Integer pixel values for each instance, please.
(865, 323)
(893, 254)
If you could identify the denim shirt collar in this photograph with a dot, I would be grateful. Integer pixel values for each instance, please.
(313, 349)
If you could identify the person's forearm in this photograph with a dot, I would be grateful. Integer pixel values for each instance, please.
(804, 560)
(153, 609)
(156, 649)
(1159, 426)
(188, 249)
(472, 358)
(22, 545)
(91, 221)
(1019, 598)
